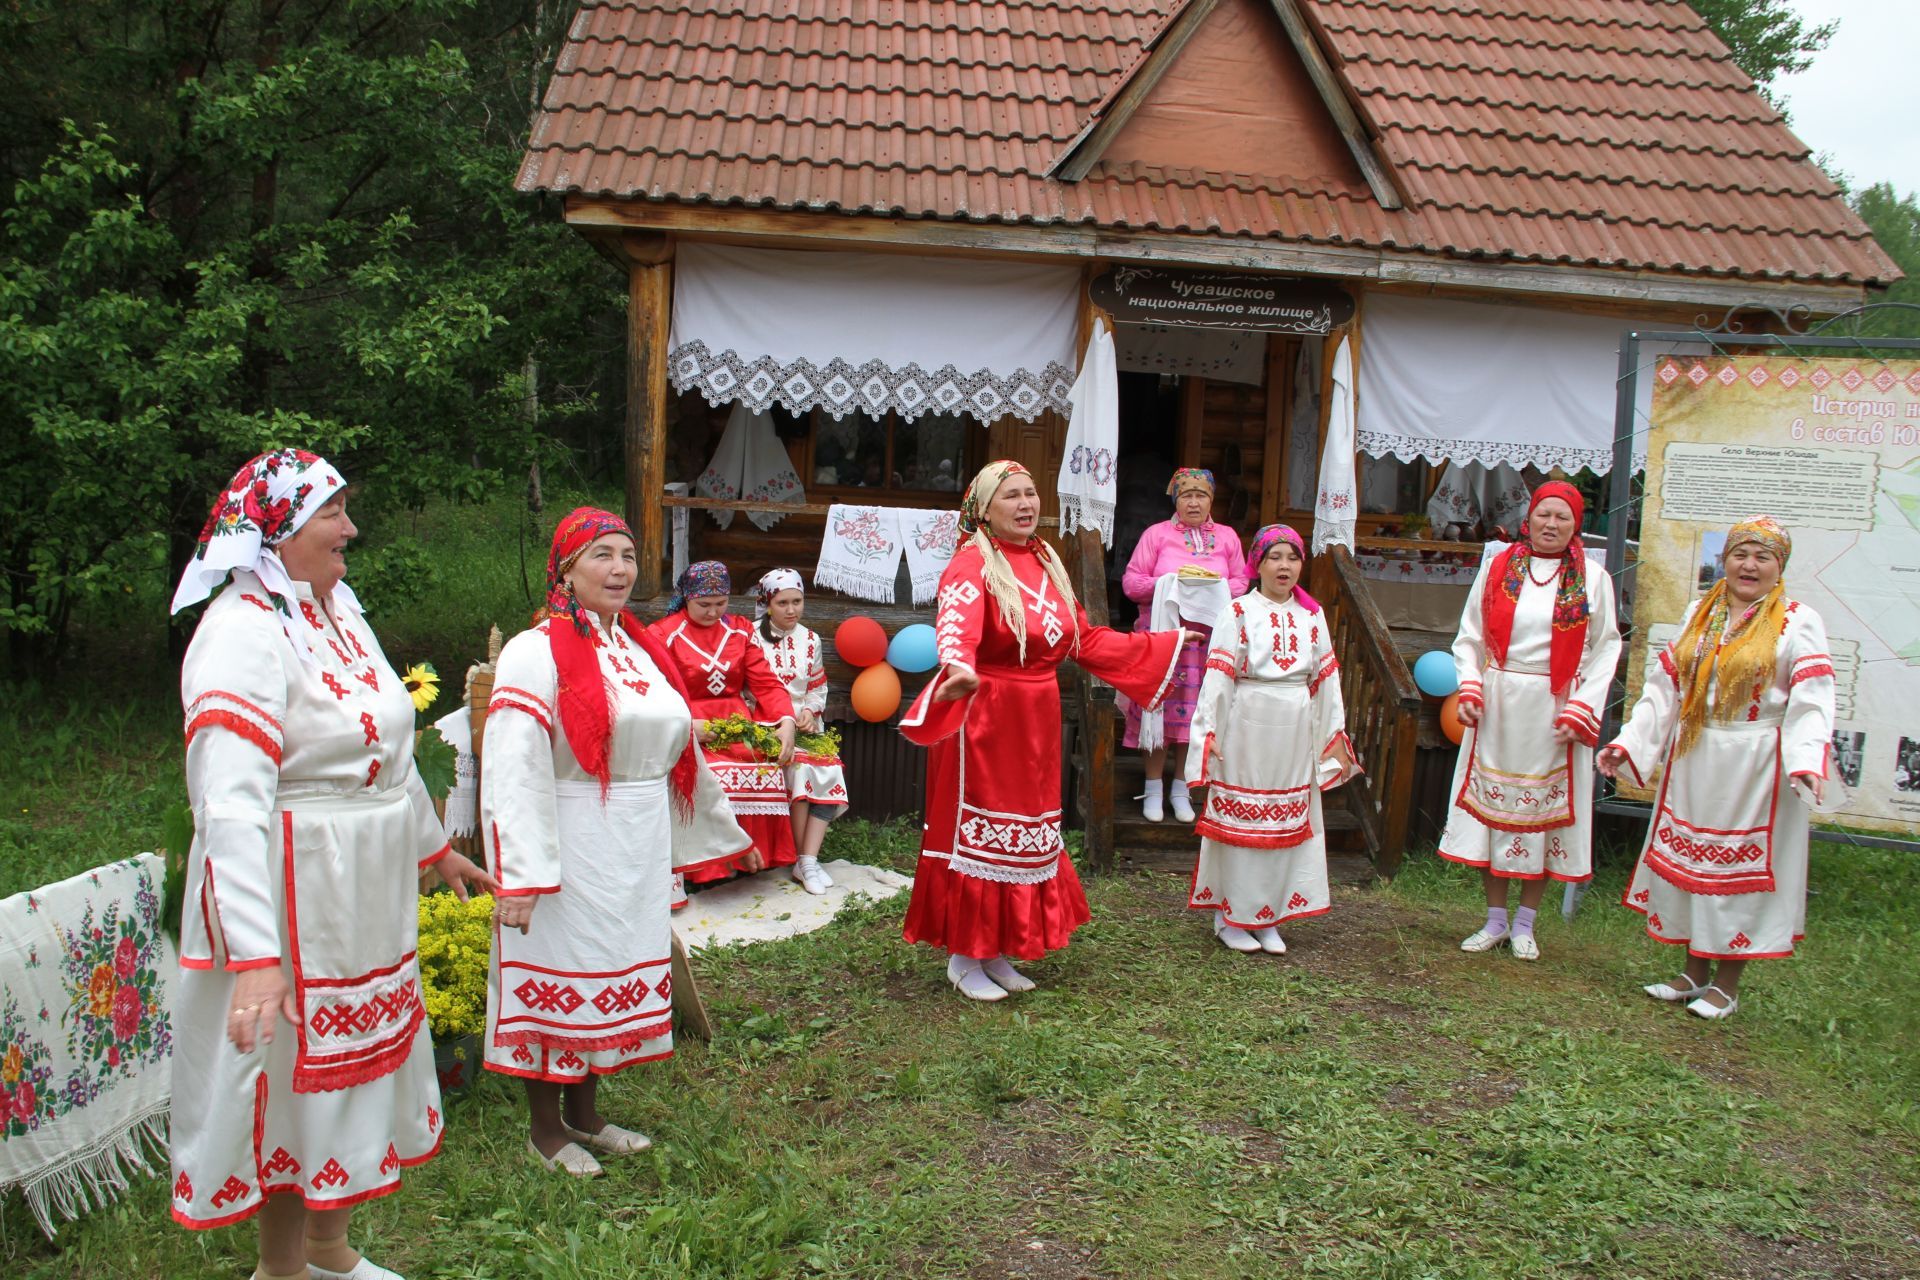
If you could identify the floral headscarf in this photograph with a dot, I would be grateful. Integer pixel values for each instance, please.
(973, 507)
(1264, 541)
(577, 530)
(1190, 476)
(701, 578)
(1737, 653)
(1766, 531)
(267, 501)
(771, 584)
(996, 572)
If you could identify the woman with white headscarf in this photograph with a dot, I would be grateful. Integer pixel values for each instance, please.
(816, 780)
(311, 829)
(994, 882)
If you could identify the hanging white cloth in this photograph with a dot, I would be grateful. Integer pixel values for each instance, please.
(931, 537)
(750, 466)
(1337, 503)
(1089, 459)
(860, 552)
(1471, 495)
(1176, 597)
(1218, 355)
(1303, 428)
(873, 332)
(462, 805)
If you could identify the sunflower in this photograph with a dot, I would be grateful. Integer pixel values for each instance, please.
(423, 684)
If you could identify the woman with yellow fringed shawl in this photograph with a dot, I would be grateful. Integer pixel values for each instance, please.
(1738, 716)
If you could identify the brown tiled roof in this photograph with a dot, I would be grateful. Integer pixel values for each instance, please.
(1607, 133)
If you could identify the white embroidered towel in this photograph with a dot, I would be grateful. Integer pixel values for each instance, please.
(749, 466)
(1088, 484)
(931, 537)
(1337, 502)
(1174, 598)
(463, 801)
(860, 552)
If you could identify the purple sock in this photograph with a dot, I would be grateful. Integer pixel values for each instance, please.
(1523, 921)
(1497, 921)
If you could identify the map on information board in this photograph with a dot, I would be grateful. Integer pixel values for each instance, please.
(1832, 448)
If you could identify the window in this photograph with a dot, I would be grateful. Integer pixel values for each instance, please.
(927, 455)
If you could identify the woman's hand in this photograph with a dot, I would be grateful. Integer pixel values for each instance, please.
(755, 860)
(260, 996)
(1189, 637)
(784, 732)
(805, 721)
(1342, 755)
(1815, 784)
(1468, 709)
(1565, 736)
(1609, 760)
(460, 875)
(703, 730)
(955, 684)
(515, 912)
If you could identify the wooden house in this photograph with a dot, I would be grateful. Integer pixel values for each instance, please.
(891, 222)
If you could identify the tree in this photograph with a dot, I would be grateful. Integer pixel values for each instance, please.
(1766, 37)
(235, 224)
(1895, 222)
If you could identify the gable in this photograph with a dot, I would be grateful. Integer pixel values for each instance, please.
(1237, 99)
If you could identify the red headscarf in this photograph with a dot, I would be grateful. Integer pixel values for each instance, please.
(1570, 607)
(586, 700)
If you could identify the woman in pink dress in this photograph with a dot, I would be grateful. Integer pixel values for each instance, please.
(1190, 540)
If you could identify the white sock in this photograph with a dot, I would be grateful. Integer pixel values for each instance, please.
(1156, 788)
(1179, 786)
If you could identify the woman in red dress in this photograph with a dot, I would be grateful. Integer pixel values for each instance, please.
(994, 882)
(718, 659)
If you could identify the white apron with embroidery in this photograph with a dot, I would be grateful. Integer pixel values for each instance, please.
(799, 658)
(587, 987)
(311, 828)
(1271, 702)
(1724, 868)
(1522, 804)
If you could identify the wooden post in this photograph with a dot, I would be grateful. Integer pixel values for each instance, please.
(1193, 415)
(649, 316)
(1273, 472)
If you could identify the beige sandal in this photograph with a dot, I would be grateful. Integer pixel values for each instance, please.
(611, 1140)
(572, 1159)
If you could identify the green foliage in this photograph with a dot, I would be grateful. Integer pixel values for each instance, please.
(1895, 221)
(434, 758)
(225, 229)
(1766, 37)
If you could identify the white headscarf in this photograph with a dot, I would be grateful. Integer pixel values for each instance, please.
(771, 584)
(266, 502)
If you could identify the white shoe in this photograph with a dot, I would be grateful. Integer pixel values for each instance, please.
(967, 974)
(1481, 940)
(1270, 940)
(362, 1270)
(572, 1159)
(1182, 804)
(1673, 995)
(1152, 809)
(611, 1140)
(1006, 977)
(1236, 938)
(812, 877)
(1704, 1008)
(1524, 946)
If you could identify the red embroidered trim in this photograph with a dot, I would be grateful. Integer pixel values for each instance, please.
(1809, 673)
(1240, 840)
(236, 700)
(627, 1039)
(433, 858)
(1329, 666)
(1223, 665)
(240, 726)
(513, 704)
(1667, 665)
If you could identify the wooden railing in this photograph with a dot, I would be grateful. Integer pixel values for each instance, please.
(1092, 705)
(1383, 713)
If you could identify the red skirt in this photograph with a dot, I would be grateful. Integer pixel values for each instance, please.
(984, 918)
(757, 791)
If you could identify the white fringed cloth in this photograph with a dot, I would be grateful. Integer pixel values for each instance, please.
(1089, 464)
(876, 333)
(86, 1045)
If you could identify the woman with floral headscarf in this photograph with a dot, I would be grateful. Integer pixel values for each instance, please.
(1271, 735)
(994, 883)
(1738, 717)
(816, 780)
(720, 663)
(592, 796)
(311, 828)
(1535, 655)
(1182, 572)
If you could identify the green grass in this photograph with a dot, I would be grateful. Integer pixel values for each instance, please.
(1374, 1104)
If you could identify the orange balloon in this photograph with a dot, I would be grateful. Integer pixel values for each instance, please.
(1450, 718)
(861, 642)
(876, 693)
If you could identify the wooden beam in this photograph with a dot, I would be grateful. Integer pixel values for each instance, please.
(1193, 417)
(1333, 92)
(649, 316)
(1273, 462)
(787, 508)
(1085, 150)
(1549, 284)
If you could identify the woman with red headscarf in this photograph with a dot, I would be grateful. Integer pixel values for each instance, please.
(994, 883)
(593, 795)
(1536, 651)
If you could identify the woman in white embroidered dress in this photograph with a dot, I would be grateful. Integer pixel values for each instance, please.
(311, 828)
(592, 796)
(1536, 651)
(1738, 716)
(816, 782)
(1269, 736)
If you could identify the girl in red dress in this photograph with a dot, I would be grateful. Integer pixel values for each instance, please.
(718, 659)
(994, 881)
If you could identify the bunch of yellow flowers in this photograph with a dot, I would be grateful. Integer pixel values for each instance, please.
(738, 728)
(455, 938)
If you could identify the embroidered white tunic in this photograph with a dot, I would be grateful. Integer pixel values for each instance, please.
(1724, 868)
(1270, 701)
(1523, 803)
(587, 988)
(311, 828)
(799, 661)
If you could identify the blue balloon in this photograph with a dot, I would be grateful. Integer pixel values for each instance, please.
(1434, 673)
(913, 648)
